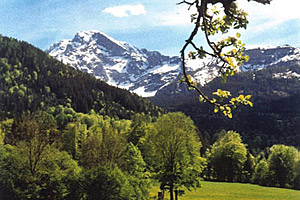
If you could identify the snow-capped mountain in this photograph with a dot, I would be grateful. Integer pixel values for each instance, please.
(146, 72)
(117, 63)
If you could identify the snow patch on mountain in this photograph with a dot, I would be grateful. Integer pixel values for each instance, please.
(142, 92)
(261, 58)
(287, 75)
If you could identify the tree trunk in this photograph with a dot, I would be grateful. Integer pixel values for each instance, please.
(171, 192)
(160, 196)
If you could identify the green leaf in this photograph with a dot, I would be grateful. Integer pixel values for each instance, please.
(201, 99)
(216, 110)
(250, 103)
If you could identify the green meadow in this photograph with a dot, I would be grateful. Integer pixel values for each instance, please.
(235, 191)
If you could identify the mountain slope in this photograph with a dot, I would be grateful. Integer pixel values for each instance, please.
(30, 80)
(145, 72)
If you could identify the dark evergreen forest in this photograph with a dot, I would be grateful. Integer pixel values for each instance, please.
(273, 119)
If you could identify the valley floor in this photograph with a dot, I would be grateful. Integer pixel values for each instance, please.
(235, 191)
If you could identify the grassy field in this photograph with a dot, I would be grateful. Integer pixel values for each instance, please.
(234, 191)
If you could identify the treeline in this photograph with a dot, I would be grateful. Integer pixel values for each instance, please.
(62, 154)
(228, 159)
(31, 80)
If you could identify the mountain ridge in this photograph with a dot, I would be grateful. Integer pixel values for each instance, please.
(147, 72)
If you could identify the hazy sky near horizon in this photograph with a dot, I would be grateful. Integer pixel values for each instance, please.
(152, 24)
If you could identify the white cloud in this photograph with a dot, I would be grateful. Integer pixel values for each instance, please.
(271, 14)
(126, 10)
(277, 10)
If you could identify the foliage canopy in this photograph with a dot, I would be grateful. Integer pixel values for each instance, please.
(173, 152)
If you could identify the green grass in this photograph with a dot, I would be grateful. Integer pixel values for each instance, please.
(234, 191)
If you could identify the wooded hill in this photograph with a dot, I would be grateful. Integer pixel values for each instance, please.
(274, 118)
(31, 80)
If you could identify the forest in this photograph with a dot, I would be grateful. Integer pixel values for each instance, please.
(66, 135)
(62, 154)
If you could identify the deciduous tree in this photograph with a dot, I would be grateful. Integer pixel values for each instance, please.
(228, 155)
(261, 174)
(282, 164)
(173, 152)
(35, 132)
(54, 177)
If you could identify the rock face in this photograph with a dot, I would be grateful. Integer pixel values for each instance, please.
(146, 72)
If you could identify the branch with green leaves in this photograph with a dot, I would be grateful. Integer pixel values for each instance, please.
(228, 52)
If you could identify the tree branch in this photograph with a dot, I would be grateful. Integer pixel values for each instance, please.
(230, 60)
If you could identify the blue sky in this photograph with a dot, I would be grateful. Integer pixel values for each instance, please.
(152, 24)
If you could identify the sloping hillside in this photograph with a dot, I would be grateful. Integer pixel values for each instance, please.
(30, 80)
